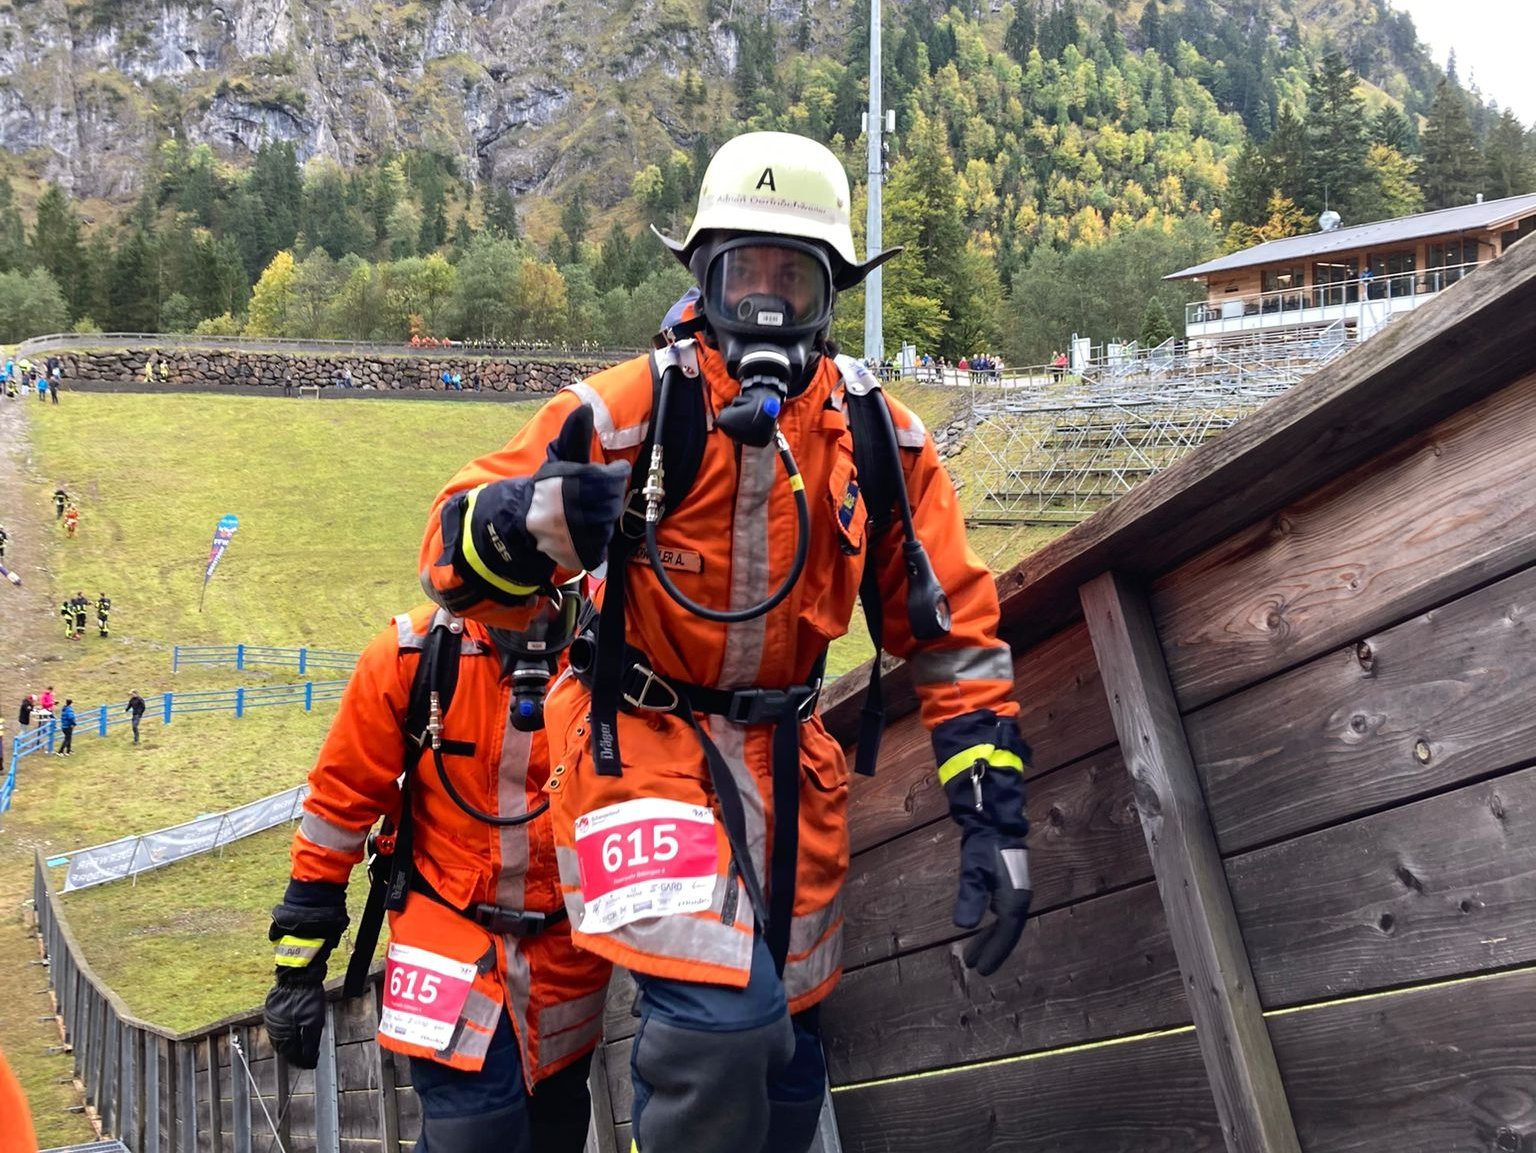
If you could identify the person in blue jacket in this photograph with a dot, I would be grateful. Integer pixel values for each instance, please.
(67, 723)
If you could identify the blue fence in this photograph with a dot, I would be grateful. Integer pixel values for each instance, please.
(300, 661)
(102, 719)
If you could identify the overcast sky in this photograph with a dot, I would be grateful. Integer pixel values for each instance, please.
(1494, 41)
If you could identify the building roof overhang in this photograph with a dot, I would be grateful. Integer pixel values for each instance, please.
(1485, 216)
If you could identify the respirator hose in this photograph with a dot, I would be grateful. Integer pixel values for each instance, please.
(487, 818)
(653, 495)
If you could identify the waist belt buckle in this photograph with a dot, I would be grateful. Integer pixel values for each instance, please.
(762, 706)
(509, 922)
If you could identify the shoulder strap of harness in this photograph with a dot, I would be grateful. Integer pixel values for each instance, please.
(390, 872)
(682, 446)
(877, 460)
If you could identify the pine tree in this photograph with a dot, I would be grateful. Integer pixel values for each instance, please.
(1453, 169)
(56, 245)
(1394, 130)
(1506, 159)
(1155, 325)
(1335, 136)
(1151, 26)
(500, 211)
(1286, 153)
(1249, 184)
(573, 217)
(136, 284)
(1020, 37)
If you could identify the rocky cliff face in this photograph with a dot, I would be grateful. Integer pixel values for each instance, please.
(519, 91)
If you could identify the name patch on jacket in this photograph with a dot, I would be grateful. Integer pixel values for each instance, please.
(676, 559)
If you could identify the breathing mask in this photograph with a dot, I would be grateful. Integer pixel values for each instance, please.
(531, 652)
(767, 301)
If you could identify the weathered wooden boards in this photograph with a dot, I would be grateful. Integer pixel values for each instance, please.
(1440, 513)
(1432, 1070)
(1218, 981)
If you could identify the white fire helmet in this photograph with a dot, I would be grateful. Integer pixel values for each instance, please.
(778, 184)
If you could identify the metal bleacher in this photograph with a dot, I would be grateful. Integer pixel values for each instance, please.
(1051, 452)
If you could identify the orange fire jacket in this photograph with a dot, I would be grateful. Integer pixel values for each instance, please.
(553, 991)
(729, 543)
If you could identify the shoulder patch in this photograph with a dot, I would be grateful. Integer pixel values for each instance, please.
(857, 378)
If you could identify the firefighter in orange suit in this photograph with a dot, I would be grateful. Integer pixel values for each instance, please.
(681, 744)
(484, 990)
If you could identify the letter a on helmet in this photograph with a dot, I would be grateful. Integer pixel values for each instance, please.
(801, 191)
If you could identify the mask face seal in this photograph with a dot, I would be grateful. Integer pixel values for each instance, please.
(531, 653)
(766, 300)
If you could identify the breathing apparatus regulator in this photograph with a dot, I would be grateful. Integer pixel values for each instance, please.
(532, 653)
(771, 247)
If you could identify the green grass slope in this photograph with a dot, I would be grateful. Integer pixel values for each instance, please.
(331, 499)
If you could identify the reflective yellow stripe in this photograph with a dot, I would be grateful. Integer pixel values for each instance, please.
(472, 555)
(297, 952)
(963, 760)
(1003, 759)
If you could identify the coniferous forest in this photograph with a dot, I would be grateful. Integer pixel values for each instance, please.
(1051, 162)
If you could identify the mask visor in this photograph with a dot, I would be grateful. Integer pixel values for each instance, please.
(768, 288)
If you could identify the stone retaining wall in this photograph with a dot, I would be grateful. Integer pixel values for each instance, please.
(417, 373)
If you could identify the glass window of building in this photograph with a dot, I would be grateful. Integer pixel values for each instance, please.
(1336, 282)
(1389, 275)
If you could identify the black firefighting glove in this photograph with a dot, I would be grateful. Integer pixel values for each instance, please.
(305, 934)
(514, 533)
(981, 765)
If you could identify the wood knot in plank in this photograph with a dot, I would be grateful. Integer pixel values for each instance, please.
(1366, 656)
(1405, 875)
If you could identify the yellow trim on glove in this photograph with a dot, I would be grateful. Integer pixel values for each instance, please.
(472, 554)
(297, 952)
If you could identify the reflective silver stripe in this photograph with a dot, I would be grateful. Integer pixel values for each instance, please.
(512, 801)
(483, 1012)
(609, 436)
(973, 664)
(557, 1046)
(519, 979)
(405, 635)
(914, 435)
(567, 1014)
(407, 638)
(328, 835)
(809, 928)
(749, 567)
(545, 522)
(805, 974)
(731, 740)
(569, 865)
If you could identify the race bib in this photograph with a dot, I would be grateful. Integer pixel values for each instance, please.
(645, 858)
(424, 994)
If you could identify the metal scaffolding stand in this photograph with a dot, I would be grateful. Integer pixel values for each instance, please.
(1053, 451)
